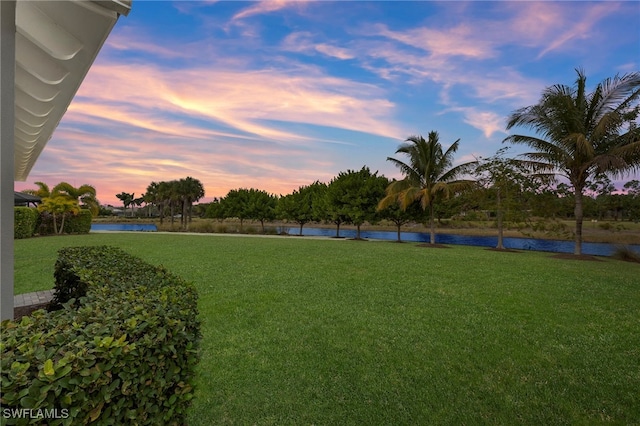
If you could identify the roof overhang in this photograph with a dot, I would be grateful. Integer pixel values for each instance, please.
(56, 44)
(23, 199)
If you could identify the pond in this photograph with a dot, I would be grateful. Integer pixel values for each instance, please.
(555, 246)
(99, 227)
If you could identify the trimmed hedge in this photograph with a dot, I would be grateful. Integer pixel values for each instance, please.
(79, 223)
(123, 349)
(25, 220)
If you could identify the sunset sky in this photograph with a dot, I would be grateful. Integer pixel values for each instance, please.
(274, 95)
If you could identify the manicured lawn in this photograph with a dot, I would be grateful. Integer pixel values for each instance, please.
(302, 331)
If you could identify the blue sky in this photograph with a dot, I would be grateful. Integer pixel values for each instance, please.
(274, 95)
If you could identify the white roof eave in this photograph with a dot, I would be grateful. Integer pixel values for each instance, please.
(56, 44)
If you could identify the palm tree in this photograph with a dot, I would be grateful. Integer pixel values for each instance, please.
(151, 197)
(163, 198)
(58, 205)
(127, 200)
(429, 174)
(190, 190)
(85, 194)
(43, 190)
(582, 135)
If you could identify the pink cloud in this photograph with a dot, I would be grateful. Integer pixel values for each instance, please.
(461, 40)
(487, 121)
(265, 6)
(302, 42)
(226, 128)
(581, 28)
(246, 101)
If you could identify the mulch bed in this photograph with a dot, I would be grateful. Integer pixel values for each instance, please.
(22, 311)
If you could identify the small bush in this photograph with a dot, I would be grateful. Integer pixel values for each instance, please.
(271, 230)
(627, 254)
(123, 349)
(79, 223)
(25, 221)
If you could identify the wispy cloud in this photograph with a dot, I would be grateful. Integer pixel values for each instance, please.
(488, 122)
(461, 40)
(265, 6)
(226, 126)
(248, 102)
(303, 42)
(582, 28)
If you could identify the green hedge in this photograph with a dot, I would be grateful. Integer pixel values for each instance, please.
(79, 223)
(25, 220)
(123, 351)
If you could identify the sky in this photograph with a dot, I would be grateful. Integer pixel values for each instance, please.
(277, 94)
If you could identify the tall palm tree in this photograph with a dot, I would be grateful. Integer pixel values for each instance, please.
(163, 198)
(428, 175)
(151, 197)
(86, 194)
(583, 134)
(43, 190)
(190, 190)
(127, 200)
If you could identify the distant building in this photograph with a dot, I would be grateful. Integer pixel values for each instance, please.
(24, 200)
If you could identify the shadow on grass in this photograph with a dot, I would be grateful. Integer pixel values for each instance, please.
(569, 256)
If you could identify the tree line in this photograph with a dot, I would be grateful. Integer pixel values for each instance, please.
(583, 137)
(168, 198)
(586, 138)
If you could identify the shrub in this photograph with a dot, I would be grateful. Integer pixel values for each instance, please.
(627, 254)
(25, 220)
(79, 223)
(122, 350)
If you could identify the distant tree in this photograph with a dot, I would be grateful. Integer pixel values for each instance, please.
(296, 207)
(632, 199)
(175, 195)
(261, 206)
(583, 134)
(399, 216)
(151, 197)
(127, 200)
(429, 175)
(215, 209)
(504, 178)
(633, 188)
(235, 204)
(190, 190)
(299, 205)
(600, 191)
(332, 207)
(138, 203)
(352, 197)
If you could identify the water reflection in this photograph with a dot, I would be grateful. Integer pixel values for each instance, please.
(555, 246)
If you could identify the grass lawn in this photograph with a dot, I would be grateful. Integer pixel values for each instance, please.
(304, 331)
